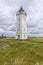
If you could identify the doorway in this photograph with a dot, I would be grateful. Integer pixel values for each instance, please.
(18, 36)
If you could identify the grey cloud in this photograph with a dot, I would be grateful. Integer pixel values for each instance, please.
(7, 33)
(12, 28)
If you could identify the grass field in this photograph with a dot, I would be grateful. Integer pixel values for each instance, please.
(21, 52)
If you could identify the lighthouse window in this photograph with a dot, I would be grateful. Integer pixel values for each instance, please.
(19, 27)
(19, 20)
(24, 29)
(24, 35)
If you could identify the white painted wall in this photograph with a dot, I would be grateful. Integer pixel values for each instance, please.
(21, 26)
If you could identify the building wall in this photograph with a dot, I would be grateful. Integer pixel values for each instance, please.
(21, 27)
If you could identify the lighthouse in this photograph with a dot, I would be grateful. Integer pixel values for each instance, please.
(21, 24)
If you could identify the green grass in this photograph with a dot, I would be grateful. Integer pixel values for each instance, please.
(21, 52)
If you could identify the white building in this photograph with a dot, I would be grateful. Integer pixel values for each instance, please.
(21, 24)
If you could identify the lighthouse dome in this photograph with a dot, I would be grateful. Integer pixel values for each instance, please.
(21, 11)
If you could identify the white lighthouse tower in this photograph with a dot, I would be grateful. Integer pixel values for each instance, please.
(21, 24)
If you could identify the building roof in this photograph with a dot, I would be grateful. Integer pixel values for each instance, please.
(21, 11)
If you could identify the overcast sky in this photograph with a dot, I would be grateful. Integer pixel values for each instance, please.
(34, 10)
